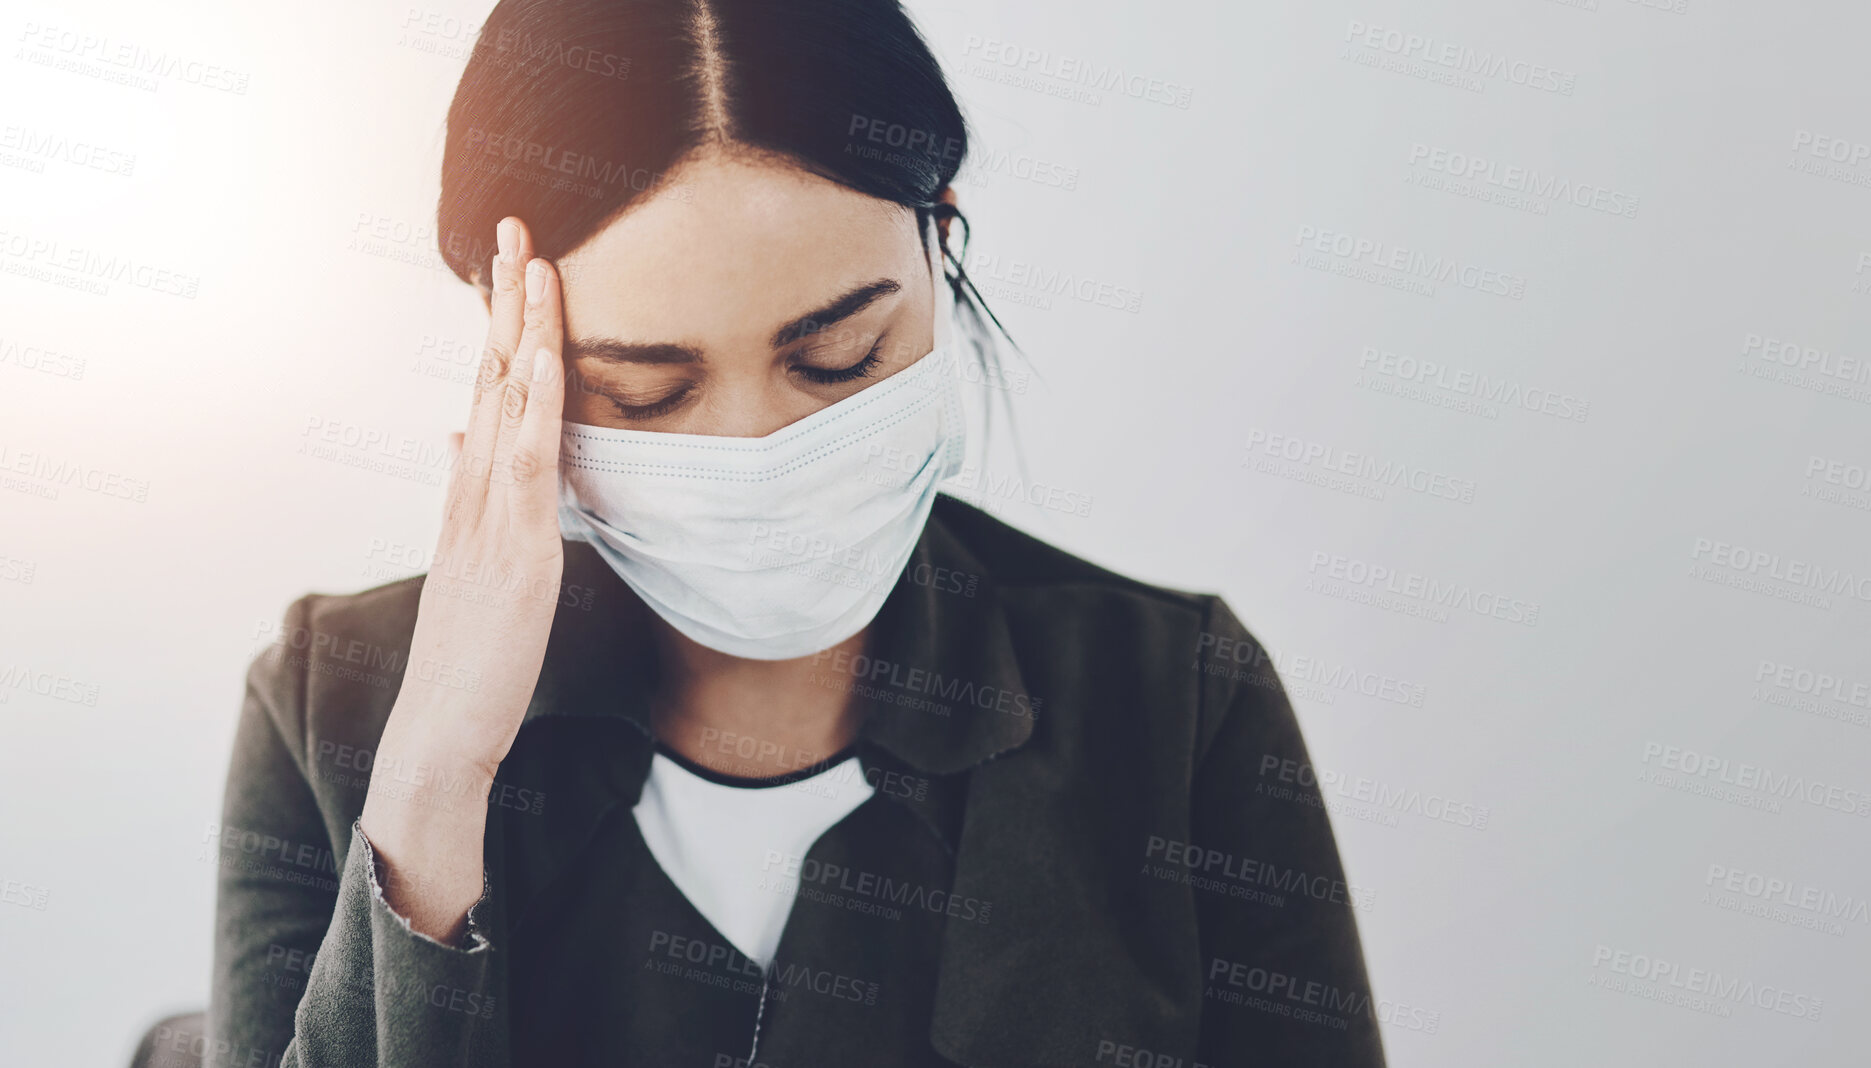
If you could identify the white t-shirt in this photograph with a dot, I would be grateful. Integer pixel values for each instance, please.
(733, 846)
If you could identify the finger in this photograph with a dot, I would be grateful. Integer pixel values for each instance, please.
(542, 335)
(503, 340)
(537, 442)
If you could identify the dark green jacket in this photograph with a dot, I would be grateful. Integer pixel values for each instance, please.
(1123, 777)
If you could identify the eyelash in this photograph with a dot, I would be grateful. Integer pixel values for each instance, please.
(860, 369)
(648, 411)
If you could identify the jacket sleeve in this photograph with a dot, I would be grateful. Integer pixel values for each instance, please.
(1284, 979)
(312, 968)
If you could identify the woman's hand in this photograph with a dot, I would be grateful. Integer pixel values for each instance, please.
(486, 607)
(493, 584)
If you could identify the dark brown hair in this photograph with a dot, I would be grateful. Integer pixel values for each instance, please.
(570, 110)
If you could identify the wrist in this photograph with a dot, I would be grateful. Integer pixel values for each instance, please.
(438, 741)
(425, 789)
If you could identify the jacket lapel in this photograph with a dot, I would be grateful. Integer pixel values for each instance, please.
(584, 744)
(1054, 972)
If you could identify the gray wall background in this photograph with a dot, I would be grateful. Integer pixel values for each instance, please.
(1505, 365)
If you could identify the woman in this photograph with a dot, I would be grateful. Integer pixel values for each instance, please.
(714, 735)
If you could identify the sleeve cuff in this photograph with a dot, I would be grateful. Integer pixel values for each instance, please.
(473, 940)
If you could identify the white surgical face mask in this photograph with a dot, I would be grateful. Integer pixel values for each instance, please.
(780, 546)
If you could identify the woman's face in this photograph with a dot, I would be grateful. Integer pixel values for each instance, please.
(743, 297)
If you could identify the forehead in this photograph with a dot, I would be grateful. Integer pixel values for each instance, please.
(732, 247)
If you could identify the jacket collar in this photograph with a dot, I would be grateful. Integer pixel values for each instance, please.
(939, 681)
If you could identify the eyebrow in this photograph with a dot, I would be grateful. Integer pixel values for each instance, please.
(836, 311)
(611, 350)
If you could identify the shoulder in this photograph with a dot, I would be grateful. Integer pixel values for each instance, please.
(1024, 565)
(328, 672)
(1177, 657)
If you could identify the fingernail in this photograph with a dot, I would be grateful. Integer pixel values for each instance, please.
(507, 236)
(535, 281)
(542, 365)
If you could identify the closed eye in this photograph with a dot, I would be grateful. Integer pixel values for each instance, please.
(831, 376)
(648, 411)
